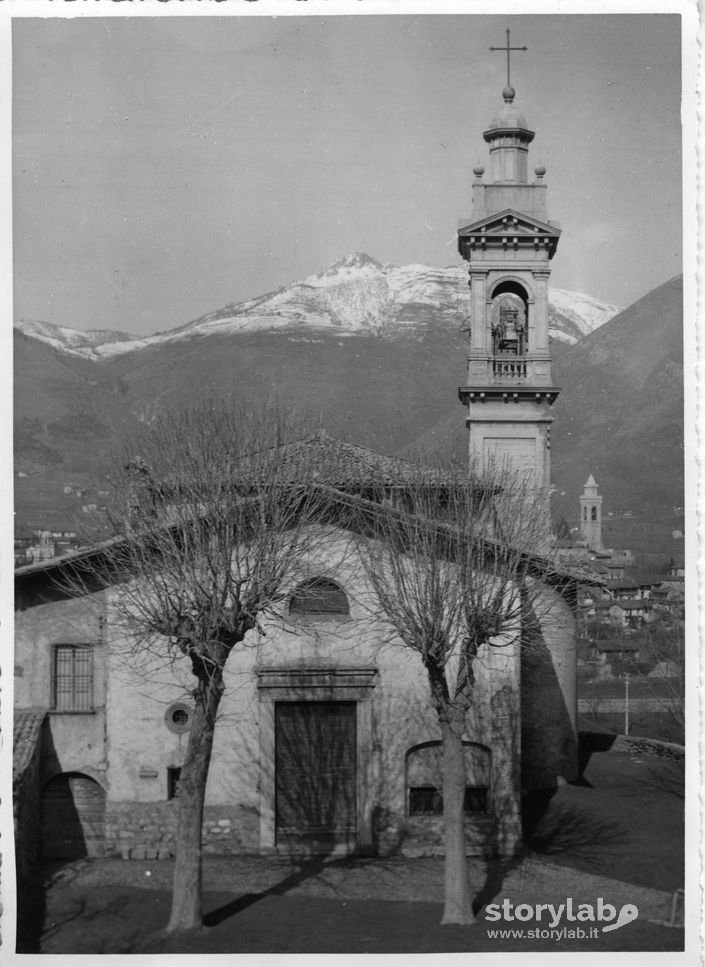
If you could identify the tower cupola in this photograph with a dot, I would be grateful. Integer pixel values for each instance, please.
(509, 137)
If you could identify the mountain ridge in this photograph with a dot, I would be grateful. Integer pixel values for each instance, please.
(619, 414)
(355, 295)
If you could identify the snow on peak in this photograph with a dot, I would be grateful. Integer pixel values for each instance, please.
(354, 266)
(584, 311)
(356, 260)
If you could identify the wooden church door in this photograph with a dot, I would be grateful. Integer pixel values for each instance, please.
(315, 773)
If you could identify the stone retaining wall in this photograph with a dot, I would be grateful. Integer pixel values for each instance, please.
(628, 743)
(142, 831)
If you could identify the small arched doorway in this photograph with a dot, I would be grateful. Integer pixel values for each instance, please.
(73, 817)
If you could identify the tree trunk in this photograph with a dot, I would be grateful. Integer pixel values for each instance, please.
(186, 896)
(458, 903)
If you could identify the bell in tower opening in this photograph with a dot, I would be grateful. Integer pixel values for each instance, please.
(508, 327)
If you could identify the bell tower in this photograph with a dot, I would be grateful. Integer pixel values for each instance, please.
(591, 515)
(508, 243)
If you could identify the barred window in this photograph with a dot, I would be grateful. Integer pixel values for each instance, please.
(72, 678)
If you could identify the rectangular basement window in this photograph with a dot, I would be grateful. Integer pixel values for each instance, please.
(428, 801)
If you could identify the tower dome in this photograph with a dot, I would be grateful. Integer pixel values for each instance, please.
(509, 137)
(508, 117)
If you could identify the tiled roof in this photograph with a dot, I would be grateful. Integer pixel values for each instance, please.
(338, 463)
(632, 604)
(597, 567)
(25, 736)
(615, 583)
(616, 646)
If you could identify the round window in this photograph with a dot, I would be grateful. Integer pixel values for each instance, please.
(178, 717)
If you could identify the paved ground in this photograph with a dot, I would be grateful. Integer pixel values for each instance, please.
(617, 836)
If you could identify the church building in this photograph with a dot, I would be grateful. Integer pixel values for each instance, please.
(326, 738)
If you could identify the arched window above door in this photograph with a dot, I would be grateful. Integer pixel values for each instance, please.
(319, 598)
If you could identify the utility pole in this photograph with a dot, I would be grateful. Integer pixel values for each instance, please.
(626, 703)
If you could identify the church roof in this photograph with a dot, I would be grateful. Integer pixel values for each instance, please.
(348, 471)
(342, 464)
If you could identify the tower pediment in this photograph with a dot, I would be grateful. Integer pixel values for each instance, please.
(509, 222)
(508, 227)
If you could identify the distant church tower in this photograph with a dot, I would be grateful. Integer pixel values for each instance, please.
(591, 515)
(508, 243)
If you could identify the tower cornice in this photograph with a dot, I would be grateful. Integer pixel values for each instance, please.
(508, 394)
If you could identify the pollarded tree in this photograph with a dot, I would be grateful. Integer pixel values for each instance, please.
(209, 515)
(455, 561)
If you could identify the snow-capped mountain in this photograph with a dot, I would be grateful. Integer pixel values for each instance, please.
(356, 295)
(80, 342)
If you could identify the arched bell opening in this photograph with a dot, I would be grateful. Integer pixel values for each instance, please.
(509, 319)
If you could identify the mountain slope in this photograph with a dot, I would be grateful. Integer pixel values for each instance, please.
(620, 414)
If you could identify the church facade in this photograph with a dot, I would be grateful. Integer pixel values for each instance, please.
(326, 738)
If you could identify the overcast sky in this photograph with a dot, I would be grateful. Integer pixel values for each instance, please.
(165, 167)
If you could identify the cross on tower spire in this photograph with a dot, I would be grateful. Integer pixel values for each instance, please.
(508, 48)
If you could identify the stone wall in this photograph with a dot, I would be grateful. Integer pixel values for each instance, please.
(147, 831)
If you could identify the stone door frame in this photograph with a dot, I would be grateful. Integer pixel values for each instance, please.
(315, 685)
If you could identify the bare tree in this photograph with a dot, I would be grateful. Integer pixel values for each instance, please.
(208, 516)
(661, 673)
(453, 563)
